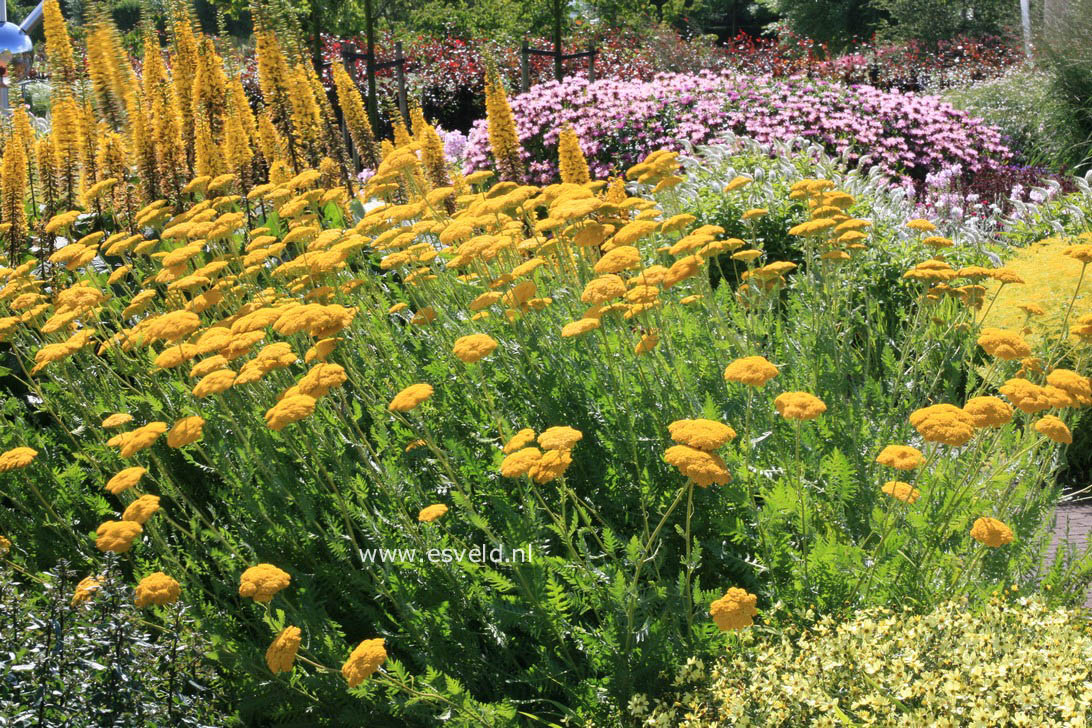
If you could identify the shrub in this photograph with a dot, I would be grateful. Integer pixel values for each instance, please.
(833, 23)
(1028, 112)
(933, 21)
(902, 66)
(1065, 49)
(78, 653)
(1014, 661)
(619, 122)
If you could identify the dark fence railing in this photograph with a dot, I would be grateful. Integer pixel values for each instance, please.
(526, 51)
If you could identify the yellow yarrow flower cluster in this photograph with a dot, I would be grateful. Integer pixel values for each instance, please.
(900, 490)
(735, 610)
(364, 660)
(186, 431)
(431, 513)
(943, 423)
(1055, 429)
(410, 397)
(704, 468)
(702, 434)
(291, 409)
(86, 589)
(1003, 344)
(901, 457)
(1025, 395)
(799, 406)
(282, 651)
(262, 582)
(117, 536)
(18, 457)
(751, 370)
(545, 465)
(831, 227)
(1049, 275)
(474, 347)
(158, 589)
(988, 411)
(141, 509)
(125, 479)
(991, 532)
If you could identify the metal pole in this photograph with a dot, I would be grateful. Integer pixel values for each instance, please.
(524, 67)
(558, 70)
(31, 21)
(1025, 20)
(401, 76)
(369, 31)
(4, 89)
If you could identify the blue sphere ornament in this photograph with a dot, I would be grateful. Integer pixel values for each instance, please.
(16, 54)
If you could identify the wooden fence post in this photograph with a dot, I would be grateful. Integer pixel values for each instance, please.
(591, 63)
(400, 60)
(559, 71)
(524, 67)
(369, 64)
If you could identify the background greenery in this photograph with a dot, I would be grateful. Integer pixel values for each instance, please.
(834, 22)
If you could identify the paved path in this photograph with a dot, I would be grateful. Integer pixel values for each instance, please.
(1078, 516)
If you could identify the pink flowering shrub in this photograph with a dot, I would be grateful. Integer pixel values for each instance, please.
(618, 122)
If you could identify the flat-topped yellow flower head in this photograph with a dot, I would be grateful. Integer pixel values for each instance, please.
(702, 434)
(988, 411)
(1026, 396)
(799, 406)
(1053, 428)
(282, 651)
(704, 468)
(185, 431)
(474, 347)
(991, 532)
(262, 582)
(560, 437)
(1006, 345)
(899, 490)
(117, 536)
(85, 590)
(18, 457)
(751, 370)
(410, 397)
(364, 660)
(141, 509)
(158, 589)
(944, 423)
(431, 513)
(735, 610)
(125, 479)
(900, 457)
(292, 408)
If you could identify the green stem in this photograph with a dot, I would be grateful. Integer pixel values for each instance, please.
(632, 605)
